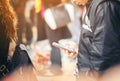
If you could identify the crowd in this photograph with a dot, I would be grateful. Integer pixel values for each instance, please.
(95, 24)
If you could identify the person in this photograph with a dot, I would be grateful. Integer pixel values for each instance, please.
(19, 8)
(55, 36)
(99, 45)
(29, 18)
(8, 32)
(8, 36)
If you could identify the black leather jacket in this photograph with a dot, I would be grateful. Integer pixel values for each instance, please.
(100, 48)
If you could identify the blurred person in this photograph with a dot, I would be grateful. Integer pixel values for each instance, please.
(55, 36)
(39, 20)
(99, 46)
(34, 30)
(8, 33)
(19, 8)
(29, 18)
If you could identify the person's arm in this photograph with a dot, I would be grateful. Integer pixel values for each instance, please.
(90, 46)
(106, 34)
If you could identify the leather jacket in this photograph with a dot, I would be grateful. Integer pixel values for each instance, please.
(99, 48)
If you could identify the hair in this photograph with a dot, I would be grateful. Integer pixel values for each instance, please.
(8, 19)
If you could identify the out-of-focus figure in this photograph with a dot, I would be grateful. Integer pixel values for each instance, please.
(8, 34)
(19, 8)
(29, 13)
(99, 45)
(55, 36)
(10, 63)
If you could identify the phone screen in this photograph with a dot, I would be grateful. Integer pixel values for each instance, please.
(58, 45)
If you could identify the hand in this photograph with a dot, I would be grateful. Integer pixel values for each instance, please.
(71, 45)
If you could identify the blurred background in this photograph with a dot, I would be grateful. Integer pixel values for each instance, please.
(41, 22)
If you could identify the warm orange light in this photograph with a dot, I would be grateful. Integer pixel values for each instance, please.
(80, 2)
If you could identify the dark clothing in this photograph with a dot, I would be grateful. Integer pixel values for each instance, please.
(56, 35)
(4, 48)
(8, 66)
(41, 27)
(4, 45)
(100, 49)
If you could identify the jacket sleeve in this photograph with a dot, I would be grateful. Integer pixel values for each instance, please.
(106, 34)
(90, 45)
(97, 43)
(93, 50)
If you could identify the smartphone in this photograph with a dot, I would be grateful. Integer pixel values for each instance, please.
(58, 45)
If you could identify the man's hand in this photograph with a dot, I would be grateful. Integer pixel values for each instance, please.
(71, 45)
